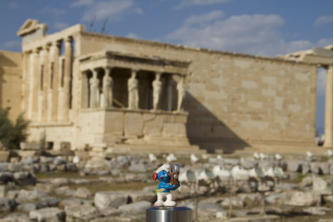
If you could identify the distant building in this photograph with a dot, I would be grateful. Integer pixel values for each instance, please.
(93, 89)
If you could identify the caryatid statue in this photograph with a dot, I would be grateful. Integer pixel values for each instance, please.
(156, 91)
(107, 89)
(94, 90)
(181, 92)
(133, 91)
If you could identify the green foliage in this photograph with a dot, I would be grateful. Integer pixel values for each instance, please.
(11, 134)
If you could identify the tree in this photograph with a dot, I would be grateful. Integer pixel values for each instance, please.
(12, 134)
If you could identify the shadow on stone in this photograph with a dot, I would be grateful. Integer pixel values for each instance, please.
(205, 130)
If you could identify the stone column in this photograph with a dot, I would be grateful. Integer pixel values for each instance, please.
(25, 81)
(156, 90)
(180, 93)
(169, 93)
(53, 57)
(107, 88)
(329, 109)
(84, 91)
(41, 76)
(32, 80)
(94, 90)
(133, 98)
(67, 78)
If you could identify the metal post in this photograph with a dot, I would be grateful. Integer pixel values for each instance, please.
(168, 214)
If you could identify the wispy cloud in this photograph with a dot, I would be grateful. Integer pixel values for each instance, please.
(185, 3)
(53, 11)
(132, 35)
(322, 20)
(101, 10)
(60, 25)
(13, 5)
(202, 19)
(255, 34)
(11, 44)
(82, 3)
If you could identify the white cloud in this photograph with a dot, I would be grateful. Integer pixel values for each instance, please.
(60, 25)
(53, 11)
(184, 3)
(11, 44)
(139, 11)
(101, 10)
(13, 5)
(325, 42)
(322, 20)
(82, 3)
(200, 19)
(254, 34)
(132, 35)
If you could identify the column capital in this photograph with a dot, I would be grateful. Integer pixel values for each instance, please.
(158, 75)
(35, 51)
(68, 39)
(107, 68)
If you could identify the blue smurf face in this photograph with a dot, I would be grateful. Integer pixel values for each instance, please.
(163, 176)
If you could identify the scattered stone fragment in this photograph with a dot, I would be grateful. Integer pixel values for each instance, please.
(299, 198)
(16, 217)
(82, 192)
(135, 208)
(51, 214)
(320, 211)
(7, 204)
(82, 212)
(104, 200)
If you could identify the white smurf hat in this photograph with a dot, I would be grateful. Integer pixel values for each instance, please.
(165, 167)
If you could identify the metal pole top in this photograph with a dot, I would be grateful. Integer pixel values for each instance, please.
(168, 214)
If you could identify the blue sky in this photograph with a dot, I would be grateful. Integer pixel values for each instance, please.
(261, 27)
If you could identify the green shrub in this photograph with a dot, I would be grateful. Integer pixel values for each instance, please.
(11, 134)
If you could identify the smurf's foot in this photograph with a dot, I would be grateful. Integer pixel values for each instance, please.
(169, 201)
(159, 204)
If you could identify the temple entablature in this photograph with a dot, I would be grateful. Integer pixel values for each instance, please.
(122, 60)
(113, 79)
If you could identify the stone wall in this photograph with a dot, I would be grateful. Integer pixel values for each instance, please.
(233, 99)
(10, 82)
(115, 126)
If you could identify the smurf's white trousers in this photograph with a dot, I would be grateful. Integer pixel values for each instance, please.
(169, 200)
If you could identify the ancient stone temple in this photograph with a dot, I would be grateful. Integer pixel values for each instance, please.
(84, 88)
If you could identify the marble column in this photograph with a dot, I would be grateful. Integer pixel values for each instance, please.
(32, 80)
(107, 88)
(67, 77)
(180, 93)
(329, 109)
(41, 76)
(169, 93)
(53, 57)
(156, 90)
(84, 90)
(94, 90)
(61, 95)
(133, 98)
(25, 91)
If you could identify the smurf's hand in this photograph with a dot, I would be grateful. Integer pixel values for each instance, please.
(168, 186)
(174, 186)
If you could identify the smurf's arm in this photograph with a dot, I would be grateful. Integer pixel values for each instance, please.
(168, 186)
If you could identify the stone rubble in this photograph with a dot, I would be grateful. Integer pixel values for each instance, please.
(53, 188)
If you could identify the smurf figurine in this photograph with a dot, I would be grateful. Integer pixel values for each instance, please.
(168, 177)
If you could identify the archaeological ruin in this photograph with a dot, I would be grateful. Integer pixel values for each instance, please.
(90, 89)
